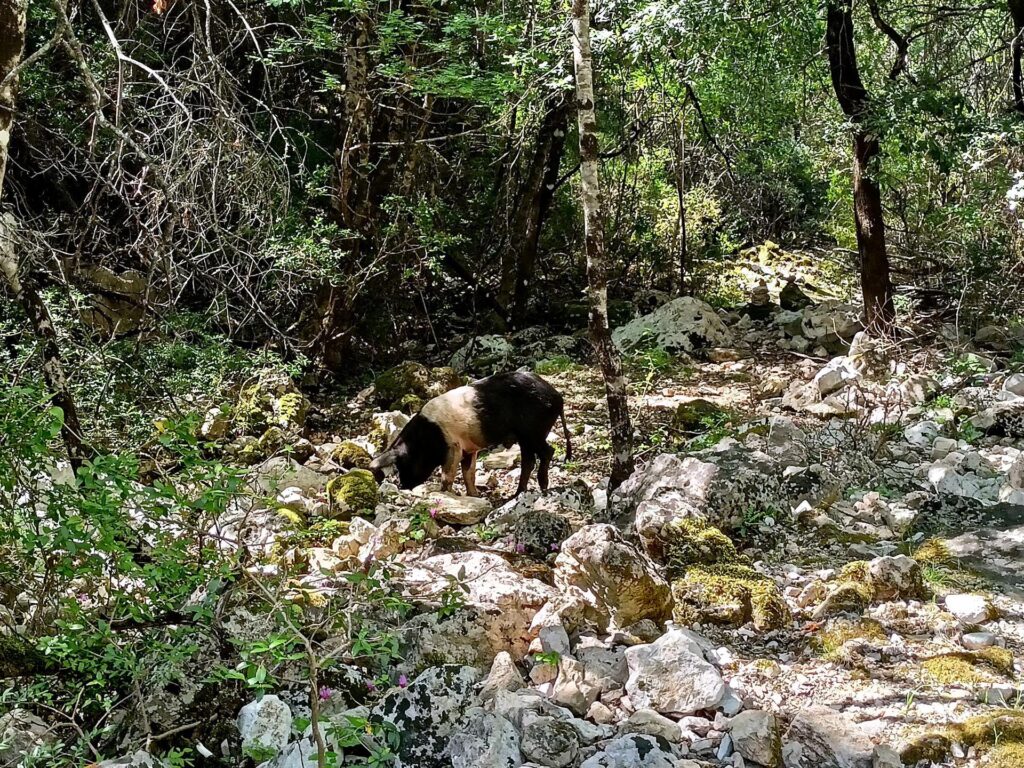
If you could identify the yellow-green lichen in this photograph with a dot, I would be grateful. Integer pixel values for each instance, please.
(693, 542)
(830, 641)
(291, 409)
(1006, 755)
(933, 552)
(998, 736)
(729, 594)
(965, 668)
(351, 455)
(353, 493)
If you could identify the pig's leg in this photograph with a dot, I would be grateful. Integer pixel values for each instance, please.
(526, 467)
(469, 472)
(450, 468)
(542, 471)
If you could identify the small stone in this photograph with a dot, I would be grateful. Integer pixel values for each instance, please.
(970, 609)
(975, 641)
(600, 713)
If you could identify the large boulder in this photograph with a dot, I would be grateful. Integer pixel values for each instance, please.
(484, 354)
(269, 399)
(485, 740)
(407, 386)
(281, 472)
(830, 324)
(503, 600)
(599, 562)
(830, 739)
(353, 493)
(22, 735)
(685, 324)
(720, 488)
(265, 725)
(671, 676)
(427, 714)
(756, 736)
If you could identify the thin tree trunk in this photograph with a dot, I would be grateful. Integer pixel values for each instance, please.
(683, 257)
(541, 184)
(876, 287)
(853, 98)
(12, 45)
(1016, 52)
(597, 266)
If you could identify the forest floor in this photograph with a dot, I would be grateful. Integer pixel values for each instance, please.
(816, 563)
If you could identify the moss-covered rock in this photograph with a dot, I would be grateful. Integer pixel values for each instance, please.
(692, 541)
(407, 386)
(698, 415)
(933, 552)
(269, 399)
(729, 594)
(832, 641)
(351, 455)
(271, 441)
(353, 493)
(929, 747)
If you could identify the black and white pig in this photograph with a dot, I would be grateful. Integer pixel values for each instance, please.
(450, 430)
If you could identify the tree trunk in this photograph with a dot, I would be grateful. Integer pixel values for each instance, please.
(597, 267)
(534, 204)
(853, 98)
(876, 287)
(12, 44)
(1016, 52)
(681, 188)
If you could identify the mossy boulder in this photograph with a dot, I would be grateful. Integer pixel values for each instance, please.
(692, 541)
(269, 399)
(698, 415)
(729, 594)
(352, 493)
(407, 386)
(351, 455)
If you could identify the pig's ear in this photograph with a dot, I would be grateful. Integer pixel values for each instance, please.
(382, 462)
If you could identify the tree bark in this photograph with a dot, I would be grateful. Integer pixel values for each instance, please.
(1016, 53)
(597, 266)
(538, 192)
(853, 98)
(23, 288)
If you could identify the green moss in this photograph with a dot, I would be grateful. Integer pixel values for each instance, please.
(847, 597)
(854, 571)
(1009, 755)
(353, 493)
(829, 642)
(271, 441)
(291, 409)
(18, 657)
(693, 542)
(697, 415)
(1004, 725)
(1000, 659)
(933, 552)
(410, 384)
(962, 667)
(729, 594)
(930, 747)
(351, 455)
